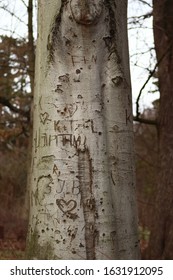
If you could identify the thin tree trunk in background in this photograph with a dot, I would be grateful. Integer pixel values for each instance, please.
(31, 73)
(161, 241)
(31, 46)
(82, 195)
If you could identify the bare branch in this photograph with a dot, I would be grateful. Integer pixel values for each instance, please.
(5, 8)
(24, 3)
(136, 19)
(145, 121)
(145, 2)
(149, 77)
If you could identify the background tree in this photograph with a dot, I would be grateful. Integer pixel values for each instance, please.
(16, 83)
(161, 242)
(159, 213)
(82, 195)
(144, 67)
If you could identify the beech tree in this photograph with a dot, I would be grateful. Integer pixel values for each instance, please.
(82, 191)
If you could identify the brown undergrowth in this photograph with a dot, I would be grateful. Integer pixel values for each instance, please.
(12, 249)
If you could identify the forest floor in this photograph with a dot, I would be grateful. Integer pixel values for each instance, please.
(12, 249)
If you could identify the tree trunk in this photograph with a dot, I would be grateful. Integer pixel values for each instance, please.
(82, 197)
(31, 71)
(31, 47)
(161, 241)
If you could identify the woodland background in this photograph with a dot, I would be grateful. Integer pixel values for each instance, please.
(16, 94)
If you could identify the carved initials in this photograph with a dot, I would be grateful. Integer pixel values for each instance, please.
(55, 169)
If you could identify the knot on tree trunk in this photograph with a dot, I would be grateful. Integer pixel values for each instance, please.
(86, 12)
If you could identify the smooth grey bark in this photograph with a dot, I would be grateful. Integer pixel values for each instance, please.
(83, 203)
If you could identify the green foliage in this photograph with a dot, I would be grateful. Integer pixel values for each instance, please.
(144, 233)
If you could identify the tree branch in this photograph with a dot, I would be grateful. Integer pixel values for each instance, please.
(145, 2)
(4, 7)
(24, 3)
(145, 121)
(149, 77)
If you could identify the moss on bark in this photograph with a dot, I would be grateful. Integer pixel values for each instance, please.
(37, 251)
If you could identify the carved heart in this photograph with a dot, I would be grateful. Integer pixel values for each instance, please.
(66, 206)
(44, 117)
